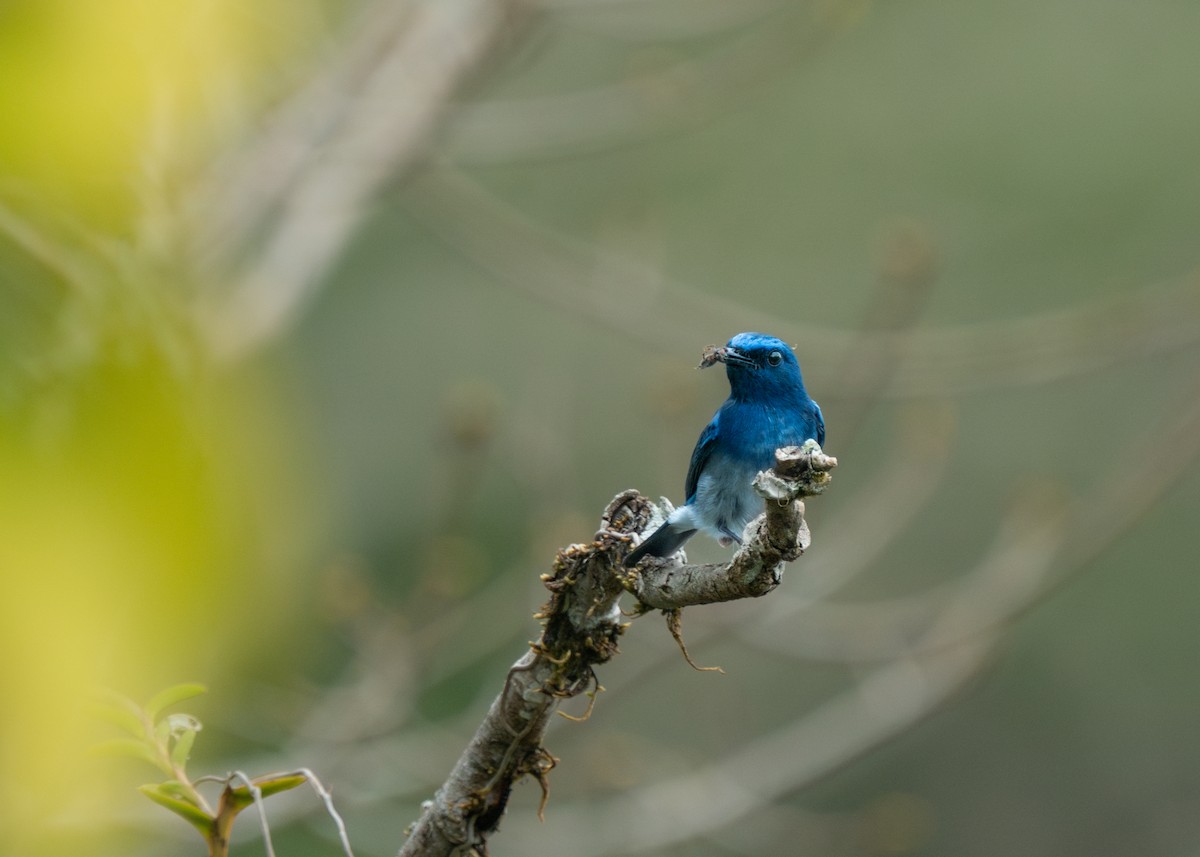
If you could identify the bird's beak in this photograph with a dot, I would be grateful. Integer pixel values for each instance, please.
(733, 357)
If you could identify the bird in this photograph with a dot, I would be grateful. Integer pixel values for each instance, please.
(768, 408)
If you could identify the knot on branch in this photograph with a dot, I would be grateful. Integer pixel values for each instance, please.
(799, 471)
(581, 621)
(627, 513)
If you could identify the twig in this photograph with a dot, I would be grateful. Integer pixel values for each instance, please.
(327, 799)
(257, 797)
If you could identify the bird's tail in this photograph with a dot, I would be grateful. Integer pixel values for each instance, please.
(662, 542)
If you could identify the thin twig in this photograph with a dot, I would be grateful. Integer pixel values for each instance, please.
(257, 797)
(327, 798)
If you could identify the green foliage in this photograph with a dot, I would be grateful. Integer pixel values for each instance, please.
(165, 740)
(273, 784)
(175, 799)
(171, 696)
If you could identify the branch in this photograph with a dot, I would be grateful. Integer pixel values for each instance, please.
(581, 626)
(776, 537)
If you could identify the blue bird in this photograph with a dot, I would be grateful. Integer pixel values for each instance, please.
(767, 408)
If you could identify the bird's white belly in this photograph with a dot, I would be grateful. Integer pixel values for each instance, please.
(725, 498)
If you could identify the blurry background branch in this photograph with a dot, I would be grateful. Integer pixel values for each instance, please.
(767, 38)
(589, 282)
(300, 190)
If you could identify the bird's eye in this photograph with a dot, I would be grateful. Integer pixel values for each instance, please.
(774, 358)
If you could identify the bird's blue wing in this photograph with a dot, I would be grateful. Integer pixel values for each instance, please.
(820, 425)
(700, 455)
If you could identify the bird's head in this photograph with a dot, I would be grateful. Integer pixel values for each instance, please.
(757, 365)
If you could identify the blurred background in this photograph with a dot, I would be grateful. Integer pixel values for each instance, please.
(324, 325)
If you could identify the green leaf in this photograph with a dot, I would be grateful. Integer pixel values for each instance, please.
(111, 697)
(174, 788)
(120, 711)
(189, 812)
(183, 747)
(171, 696)
(119, 717)
(239, 798)
(132, 749)
(275, 784)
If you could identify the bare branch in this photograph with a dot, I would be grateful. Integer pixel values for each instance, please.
(581, 626)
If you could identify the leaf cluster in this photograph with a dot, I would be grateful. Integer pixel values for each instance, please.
(164, 741)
